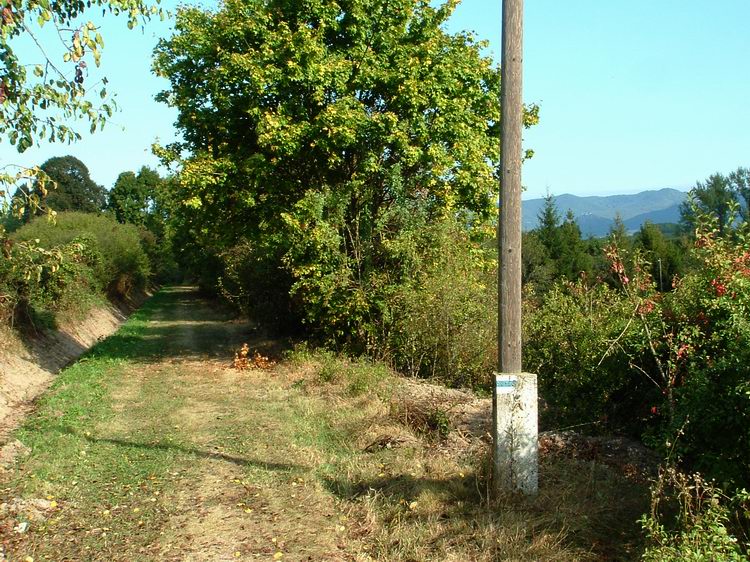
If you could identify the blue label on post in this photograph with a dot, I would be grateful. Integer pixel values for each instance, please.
(504, 384)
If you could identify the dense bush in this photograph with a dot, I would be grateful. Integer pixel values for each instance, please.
(711, 316)
(443, 321)
(35, 283)
(572, 341)
(657, 364)
(248, 277)
(115, 254)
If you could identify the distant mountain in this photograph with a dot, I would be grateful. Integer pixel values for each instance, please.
(596, 214)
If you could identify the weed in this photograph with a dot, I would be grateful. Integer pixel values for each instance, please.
(438, 421)
(690, 519)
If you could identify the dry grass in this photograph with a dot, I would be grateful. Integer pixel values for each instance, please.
(416, 496)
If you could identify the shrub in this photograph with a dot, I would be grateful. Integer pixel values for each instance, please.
(249, 278)
(121, 266)
(444, 319)
(710, 310)
(656, 363)
(571, 342)
(160, 254)
(35, 283)
(692, 520)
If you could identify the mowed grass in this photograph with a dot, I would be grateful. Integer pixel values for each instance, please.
(152, 447)
(92, 478)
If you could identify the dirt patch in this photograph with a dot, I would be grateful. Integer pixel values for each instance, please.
(10, 452)
(467, 422)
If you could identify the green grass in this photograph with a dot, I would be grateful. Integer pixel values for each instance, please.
(151, 441)
(85, 472)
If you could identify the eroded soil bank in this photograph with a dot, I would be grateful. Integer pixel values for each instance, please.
(28, 365)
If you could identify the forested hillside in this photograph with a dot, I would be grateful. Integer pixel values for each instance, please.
(597, 214)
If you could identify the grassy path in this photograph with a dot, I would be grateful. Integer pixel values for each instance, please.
(152, 448)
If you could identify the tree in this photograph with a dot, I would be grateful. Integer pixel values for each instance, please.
(132, 197)
(739, 180)
(548, 230)
(75, 191)
(39, 97)
(555, 250)
(618, 234)
(663, 255)
(322, 132)
(573, 259)
(43, 90)
(714, 197)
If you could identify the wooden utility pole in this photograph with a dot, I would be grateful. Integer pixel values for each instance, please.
(514, 392)
(511, 103)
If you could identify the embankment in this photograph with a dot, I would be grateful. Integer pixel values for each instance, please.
(29, 364)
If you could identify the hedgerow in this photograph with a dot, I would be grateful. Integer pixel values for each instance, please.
(51, 268)
(115, 252)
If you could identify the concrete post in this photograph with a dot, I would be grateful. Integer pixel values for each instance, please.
(516, 433)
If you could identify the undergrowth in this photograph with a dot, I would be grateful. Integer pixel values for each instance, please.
(417, 500)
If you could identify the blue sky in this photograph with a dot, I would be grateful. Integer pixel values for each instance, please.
(634, 95)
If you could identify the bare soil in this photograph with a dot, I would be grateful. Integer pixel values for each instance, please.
(28, 366)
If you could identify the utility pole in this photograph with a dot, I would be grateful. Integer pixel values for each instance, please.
(514, 393)
(661, 283)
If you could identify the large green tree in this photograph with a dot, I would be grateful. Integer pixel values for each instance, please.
(132, 198)
(715, 197)
(548, 230)
(555, 249)
(75, 190)
(319, 131)
(739, 181)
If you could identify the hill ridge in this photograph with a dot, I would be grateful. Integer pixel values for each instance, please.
(596, 213)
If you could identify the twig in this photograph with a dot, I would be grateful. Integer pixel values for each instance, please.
(618, 338)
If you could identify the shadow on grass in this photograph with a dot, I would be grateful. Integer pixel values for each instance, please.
(587, 506)
(211, 455)
(190, 451)
(404, 488)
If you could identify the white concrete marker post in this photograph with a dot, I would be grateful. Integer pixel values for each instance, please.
(516, 438)
(515, 393)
